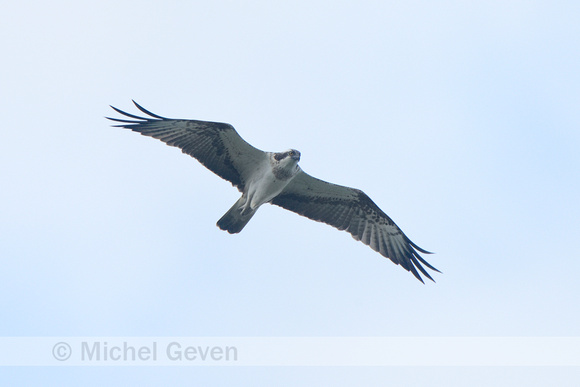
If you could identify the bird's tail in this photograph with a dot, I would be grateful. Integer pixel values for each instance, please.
(236, 218)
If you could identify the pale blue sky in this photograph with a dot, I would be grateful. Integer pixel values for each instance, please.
(460, 119)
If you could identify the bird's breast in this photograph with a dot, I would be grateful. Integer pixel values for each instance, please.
(265, 188)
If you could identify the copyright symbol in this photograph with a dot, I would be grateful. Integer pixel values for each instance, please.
(61, 351)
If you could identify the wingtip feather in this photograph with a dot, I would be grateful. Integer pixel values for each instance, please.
(124, 113)
(147, 111)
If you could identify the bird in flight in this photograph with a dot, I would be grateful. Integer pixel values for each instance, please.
(276, 178)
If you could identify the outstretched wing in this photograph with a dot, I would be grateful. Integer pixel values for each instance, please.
(216, 145)
(352, 210)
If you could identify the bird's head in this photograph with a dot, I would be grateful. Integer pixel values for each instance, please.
(285, 164)
(291, 155)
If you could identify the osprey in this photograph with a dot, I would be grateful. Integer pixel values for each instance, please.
(276, 178)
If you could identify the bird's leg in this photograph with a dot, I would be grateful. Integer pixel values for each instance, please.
(246, 204)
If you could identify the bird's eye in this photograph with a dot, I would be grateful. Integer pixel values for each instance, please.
(291, 153)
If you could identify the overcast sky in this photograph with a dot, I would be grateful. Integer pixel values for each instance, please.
(459, 119)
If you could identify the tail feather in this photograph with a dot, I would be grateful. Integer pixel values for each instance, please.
(235, 220)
